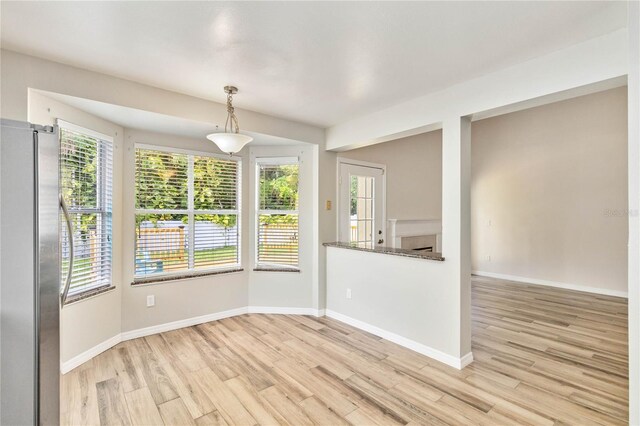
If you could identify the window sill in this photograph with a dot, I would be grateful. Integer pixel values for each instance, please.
(275, 269)
(177, 277)
(88, 294)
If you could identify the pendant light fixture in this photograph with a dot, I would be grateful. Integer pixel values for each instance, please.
(231, 141)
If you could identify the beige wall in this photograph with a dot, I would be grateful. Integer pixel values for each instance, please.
(180, 299)
(91, 321)
(414, 174)
(285, 289)
(549, 192)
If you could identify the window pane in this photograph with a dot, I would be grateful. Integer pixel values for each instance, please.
(278, 187)
(91, 251)
(161, 243)
(161, 180)
(214, 183)
(79, 166)
(86, 174)
(362, 210)
(216, 240)
(278, 239)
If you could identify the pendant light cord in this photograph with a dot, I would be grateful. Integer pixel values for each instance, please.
(232, 120)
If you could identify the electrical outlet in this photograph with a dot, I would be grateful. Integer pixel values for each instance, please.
(488, 258)
(151, 300)
(348, 293)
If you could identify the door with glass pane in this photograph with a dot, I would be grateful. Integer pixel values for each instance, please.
(361, 205)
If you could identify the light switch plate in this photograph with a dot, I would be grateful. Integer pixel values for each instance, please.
(151, 300)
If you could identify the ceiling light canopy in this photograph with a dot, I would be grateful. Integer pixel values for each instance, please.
(231, 140)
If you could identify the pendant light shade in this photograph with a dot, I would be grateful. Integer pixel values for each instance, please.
(230, 141)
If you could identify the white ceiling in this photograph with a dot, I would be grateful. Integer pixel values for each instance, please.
(145, 120)
(316, 62)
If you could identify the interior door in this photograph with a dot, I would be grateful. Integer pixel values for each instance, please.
(361, 204)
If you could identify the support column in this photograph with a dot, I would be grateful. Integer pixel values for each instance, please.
(456, 221)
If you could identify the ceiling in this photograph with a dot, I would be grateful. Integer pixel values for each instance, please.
(315, 62)
(132, 118)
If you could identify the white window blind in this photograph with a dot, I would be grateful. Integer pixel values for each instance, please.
(277, 213)
(86, 176)
(187, 212)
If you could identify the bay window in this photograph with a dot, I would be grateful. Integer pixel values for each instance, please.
(86, 176)
(187, 212)
(277, 213)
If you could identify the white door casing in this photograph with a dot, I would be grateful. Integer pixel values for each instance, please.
(366, 224)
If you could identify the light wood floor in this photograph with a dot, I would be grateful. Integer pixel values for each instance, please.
(543, 356)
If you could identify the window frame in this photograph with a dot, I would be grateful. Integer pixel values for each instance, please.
(273, 161)
(104, 214)
(191, 212)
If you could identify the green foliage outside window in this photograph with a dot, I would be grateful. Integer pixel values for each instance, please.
(279, 191)
(163, 185)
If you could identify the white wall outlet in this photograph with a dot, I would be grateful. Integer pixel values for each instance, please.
(348, 293)
(151, 300)
(488, 258)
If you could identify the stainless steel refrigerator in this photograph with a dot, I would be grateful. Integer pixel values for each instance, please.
(29, 275)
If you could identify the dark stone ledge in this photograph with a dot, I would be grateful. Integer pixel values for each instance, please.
(185, 276)
(389, 250)
(87, 294)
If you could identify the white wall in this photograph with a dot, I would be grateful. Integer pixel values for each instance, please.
(413, 174)
(180, 299)
(287, 289)
(88, 322)
(404, 296)
(549, 193)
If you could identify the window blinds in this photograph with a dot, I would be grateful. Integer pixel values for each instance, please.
(186, 212)
(277, 234)
(86, 176)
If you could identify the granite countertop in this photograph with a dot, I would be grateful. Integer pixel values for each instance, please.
(389, 250)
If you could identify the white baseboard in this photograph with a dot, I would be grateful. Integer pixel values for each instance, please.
(284, 311)
(450, 360)
(85, 356)
(566, 286)
(188, 322)
(466, 360)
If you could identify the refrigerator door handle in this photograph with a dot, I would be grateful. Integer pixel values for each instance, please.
(67, 284)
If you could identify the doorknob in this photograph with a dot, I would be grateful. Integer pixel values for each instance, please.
(380, 241)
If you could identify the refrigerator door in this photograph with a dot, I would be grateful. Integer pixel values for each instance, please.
(29, 275)
(48, 275)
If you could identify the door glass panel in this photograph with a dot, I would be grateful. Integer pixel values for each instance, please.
(361, 209)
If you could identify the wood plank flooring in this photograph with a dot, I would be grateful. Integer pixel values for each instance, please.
(543, 356)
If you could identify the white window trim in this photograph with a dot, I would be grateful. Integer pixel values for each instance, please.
(273, 161)
(190, 212)
(102, 210)
(83, 130)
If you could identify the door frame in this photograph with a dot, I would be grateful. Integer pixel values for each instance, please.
(343, 160)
